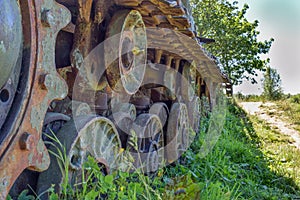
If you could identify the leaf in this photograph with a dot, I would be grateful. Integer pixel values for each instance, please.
(53, 196)
(24, 196)
(109, 179)
(237, 46)
(91, 195)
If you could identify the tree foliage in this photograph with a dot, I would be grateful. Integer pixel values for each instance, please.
(236, 44)
(272, 84)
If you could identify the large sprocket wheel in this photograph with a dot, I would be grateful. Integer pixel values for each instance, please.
(177, 138)
(85, 136)
(126, 51)
(28, 34)
(148, 153)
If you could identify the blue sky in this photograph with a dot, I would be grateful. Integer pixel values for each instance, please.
(279, 19)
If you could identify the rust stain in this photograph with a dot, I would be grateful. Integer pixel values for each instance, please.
(29, 150)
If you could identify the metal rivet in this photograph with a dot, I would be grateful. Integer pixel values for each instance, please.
(42, 81)
(25, 141)
(47, 18)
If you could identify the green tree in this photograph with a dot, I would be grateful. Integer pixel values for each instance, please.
(272, 84)
(236, 44)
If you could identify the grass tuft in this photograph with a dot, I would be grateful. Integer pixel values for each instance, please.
(250, 160)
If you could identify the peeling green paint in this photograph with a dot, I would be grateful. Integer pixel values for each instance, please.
(57, 88)
(54, 18)
(37, 116)
(45, 159)
(30, 157)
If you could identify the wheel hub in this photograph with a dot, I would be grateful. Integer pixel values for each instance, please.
(10, 39)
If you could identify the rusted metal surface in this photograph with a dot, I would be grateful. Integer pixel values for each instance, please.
(176, 61)
(83, 31)
(88, 31)
(97, 101)
(164, 13)
(83, 136)
(125, 56)
(186, 48)
(154, 75)
(24, 147)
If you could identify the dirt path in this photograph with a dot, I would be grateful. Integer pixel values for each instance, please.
(262, 109)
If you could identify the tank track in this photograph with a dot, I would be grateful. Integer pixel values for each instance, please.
(104, 76)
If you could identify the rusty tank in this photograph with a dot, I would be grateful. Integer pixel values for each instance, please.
(95, 74)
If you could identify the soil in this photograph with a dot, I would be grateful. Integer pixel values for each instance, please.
(267, 111)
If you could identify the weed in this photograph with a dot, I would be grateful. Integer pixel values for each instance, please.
(250, 160)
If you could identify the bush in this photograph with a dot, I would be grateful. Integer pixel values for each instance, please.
(295, 99)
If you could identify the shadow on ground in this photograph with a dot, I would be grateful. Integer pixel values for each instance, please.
(238, 167)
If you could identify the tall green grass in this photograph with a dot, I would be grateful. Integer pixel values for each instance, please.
(249, 161)
(244, 164)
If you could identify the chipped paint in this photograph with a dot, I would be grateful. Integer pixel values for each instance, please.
(51, 17)
(4, 183)
(15, 160)
(30, 157)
